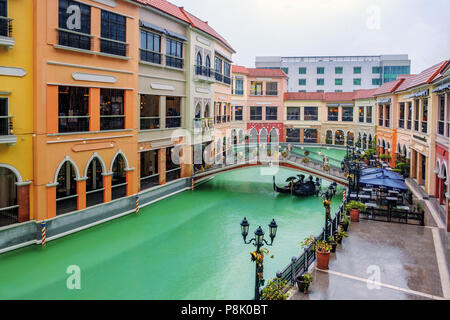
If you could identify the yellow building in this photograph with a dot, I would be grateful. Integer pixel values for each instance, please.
(16, 110)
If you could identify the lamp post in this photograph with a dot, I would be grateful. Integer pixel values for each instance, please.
(327, 195)
(258, 241)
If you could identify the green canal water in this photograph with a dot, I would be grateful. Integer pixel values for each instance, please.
(187, 246)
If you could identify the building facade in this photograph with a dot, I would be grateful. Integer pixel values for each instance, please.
(16, 111)
(337, 73)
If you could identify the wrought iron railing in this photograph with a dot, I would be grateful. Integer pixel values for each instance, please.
(6, 125)
(150, 56)
(115, 47)
(6, 27)
(74, 39)
(300, 265)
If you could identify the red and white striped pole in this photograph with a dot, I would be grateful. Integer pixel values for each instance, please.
(137, 204)
(192, 188)
(43, 231)
(344, 195)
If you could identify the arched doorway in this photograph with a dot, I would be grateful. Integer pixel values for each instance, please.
(198, 111)
(263, 136)
(9, 209)
(94, 183)
(364, 141)
(119, 178)
(253, 136)
(66, 190)
(350, 138)
(274, 138)
(339, 138)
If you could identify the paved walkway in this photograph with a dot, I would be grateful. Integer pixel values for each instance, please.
(405, 261)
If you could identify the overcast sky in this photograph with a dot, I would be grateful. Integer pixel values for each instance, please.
(419, 28)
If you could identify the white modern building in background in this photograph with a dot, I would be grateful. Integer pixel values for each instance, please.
(337, 73)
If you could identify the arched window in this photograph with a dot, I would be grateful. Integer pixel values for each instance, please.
(208, 66)
(198, 111)
(198, 67)
(241, 136)
(364, 141)
(263, 136)
(94, 183)
(9, 210)
(66, 190)
(253, 136)
(206, 113)
(274, 136)
(339, 138)
(119, 178)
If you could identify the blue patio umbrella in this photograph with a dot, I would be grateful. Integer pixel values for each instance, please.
(371, 171)
(383, 181)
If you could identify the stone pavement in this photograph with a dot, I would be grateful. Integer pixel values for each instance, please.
(411, 261)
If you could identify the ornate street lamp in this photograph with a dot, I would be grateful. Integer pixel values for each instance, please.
(258, 241)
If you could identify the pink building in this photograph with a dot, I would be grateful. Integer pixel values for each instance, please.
(265, 113)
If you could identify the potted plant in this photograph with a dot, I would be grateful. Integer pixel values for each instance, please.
(355, 207)
(284, 153)
(340, 234)
(304, 281)
(345, 221)
(332, 241)
(275, 290)
(305, 160)
(322, 248)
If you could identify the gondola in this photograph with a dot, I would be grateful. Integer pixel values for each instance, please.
(299, 188)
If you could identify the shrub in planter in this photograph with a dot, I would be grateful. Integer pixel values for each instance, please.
(275, 290)
(355, 207)
(305, 160)
(340, 235)
(304, 281)
(322, 248)
(333, 243)
(345, 221)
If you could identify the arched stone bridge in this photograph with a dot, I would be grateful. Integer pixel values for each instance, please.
(293, 161)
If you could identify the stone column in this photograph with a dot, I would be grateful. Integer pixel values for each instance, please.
(51, 201)
(130, 182)
(107, 195)
(187, 161)
(302, 135)
(162, 165)
(23, 200)
(419, 174)
(413, 164)
(81, 191)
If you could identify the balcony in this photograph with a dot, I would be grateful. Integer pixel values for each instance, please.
(203, 125)
(6, 130)
(174, 62)
(69, 38)
(332, 117)
(256, 93)
(6, 38)
(239, 92)
(272, 93)
(150, 56)
(114, 47)
(204, 74)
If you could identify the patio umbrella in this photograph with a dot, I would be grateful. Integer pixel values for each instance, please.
(378, 171)
(380, 180)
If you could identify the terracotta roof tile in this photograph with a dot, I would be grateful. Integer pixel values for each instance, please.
(180, 13)
(239, 69)
(424, 77)
(166, 7)
(339, 96)
(254, 72)
(304, 96)
(365, 93)
(388, 87)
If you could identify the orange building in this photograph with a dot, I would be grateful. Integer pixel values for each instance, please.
(85, 104)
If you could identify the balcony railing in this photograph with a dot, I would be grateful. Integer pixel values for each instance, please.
(203, 125)
(115, 47)
(347, 118)
(74, 39)
(6, 125)
(174, 62)
(204, 71)
(150, 56)
(256, 93)
(332, 117)
(219, 76)
(6, 27)
(239, 92)
(271, 92)
(226, 80)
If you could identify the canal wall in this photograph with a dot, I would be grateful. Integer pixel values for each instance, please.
(29, 233)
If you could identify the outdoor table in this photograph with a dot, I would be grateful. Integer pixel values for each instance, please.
(406, 208)
(364, 196)
(393, 192)
(371, 206)
(367, 189)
